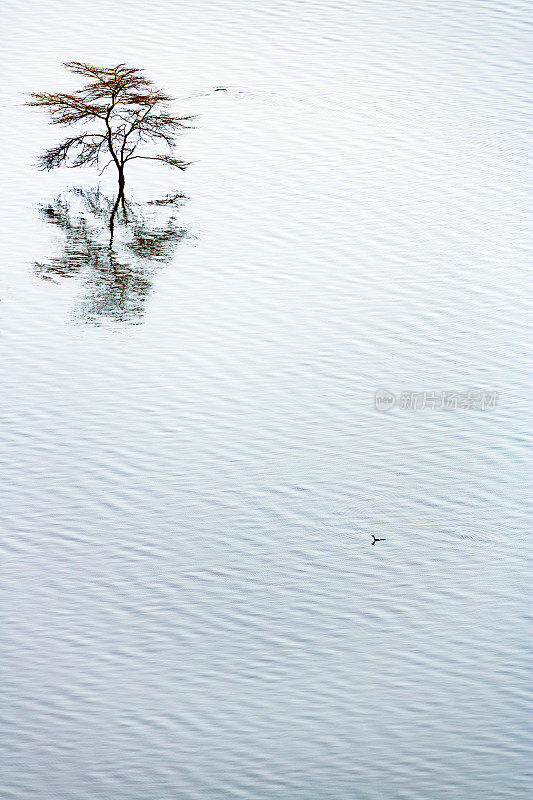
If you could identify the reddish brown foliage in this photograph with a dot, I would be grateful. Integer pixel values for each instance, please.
(117, 112)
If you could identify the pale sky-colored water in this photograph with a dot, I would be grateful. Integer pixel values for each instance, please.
(192, 459)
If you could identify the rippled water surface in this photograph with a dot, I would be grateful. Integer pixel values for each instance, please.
(192, 460)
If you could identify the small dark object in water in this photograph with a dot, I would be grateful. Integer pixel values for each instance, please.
(172, 199)
(377, 540)
(220, 89)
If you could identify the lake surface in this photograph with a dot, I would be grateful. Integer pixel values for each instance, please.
(193, 463)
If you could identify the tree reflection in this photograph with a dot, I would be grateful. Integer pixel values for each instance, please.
(113, 251)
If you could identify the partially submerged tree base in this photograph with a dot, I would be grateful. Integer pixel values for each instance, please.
(117, 112)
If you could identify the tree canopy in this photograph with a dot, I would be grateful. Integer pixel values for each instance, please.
(117, 113)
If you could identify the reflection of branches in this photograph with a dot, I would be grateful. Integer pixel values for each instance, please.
(116, 288)
(172, 199)
(155, 244)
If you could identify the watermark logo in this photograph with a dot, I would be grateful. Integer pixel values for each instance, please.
(385, 400)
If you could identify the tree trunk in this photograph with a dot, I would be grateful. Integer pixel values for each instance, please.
(121, 184)
(121, 197)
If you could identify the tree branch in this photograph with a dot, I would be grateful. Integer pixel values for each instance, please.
(125, 106)
(174, 162)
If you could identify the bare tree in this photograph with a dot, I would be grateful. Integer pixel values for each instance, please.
(116, 113)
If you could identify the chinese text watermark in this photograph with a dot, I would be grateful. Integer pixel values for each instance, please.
(385, 400)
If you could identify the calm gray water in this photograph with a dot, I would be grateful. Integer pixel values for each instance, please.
(192, 460)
